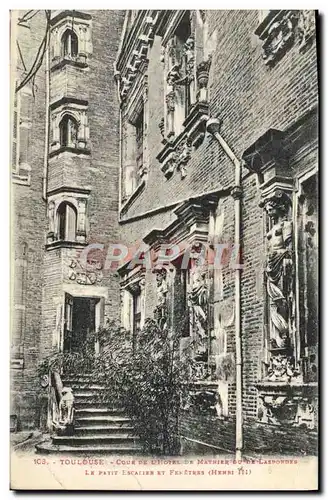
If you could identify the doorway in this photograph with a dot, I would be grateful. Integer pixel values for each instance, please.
(82, 318)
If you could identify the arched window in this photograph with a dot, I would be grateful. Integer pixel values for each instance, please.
(68, 131)
(66, 221)
(69, 43)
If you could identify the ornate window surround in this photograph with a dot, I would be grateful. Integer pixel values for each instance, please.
(77, 109)
(195, 229)
(279, 30)
(134, 57)
(285, 394)
(131, 77)
(79, 198)
(132, 281)
(131, 108)
(178, 147)
(80, 23)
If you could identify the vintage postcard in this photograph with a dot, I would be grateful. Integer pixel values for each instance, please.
(164, 214)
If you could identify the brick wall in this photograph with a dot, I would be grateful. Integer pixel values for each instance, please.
(97, 171)
(250, 98)
(28, 225)
(210, 434)
(47, 269)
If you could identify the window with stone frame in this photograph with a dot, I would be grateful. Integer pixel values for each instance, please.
(70, 41)
(21, 136)
(187, 47)
(133, 162)
(68, 131)
(69, 44)
(178, 55)
(69, 126)
(180, 303)
(139, 126)
(133, 304)
(67, 217)
(307, 241)
(66, 222)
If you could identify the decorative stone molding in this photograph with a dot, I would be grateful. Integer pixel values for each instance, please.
(182, 71)
(280, 29)
(144, 36)
(306, 29)
(76, 109)
(162, 288)
(269, 159)
(296, 406)
(78, 22)
(202, 72)
(176, 153)
(198, 304)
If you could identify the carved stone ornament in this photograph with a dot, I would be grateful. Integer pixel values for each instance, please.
(282, 368)
(279, 268)
(281, 29)
(138, 55)
(198, 304)
(282, 409)
(306, 29)
(161, 127)
(202, 75)
(173, 75)
(189, 51)
(89, 275)
(161, 311)
(170, 101)
(183, 156)
(178, 160)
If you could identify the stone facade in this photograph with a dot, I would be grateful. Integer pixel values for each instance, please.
(134, 158)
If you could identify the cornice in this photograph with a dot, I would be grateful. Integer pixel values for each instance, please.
(67, 189)
(191, 218)
(70, 13)
(68, 100)
(135, 50)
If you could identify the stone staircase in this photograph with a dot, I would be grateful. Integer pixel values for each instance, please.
(97, 428)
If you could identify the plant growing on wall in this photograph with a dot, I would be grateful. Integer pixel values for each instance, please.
(225, 367)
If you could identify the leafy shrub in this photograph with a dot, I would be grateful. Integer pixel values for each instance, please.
(148, 378)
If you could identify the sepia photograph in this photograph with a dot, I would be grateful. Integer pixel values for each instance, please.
(164, 215)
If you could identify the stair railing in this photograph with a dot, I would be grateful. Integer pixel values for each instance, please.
(60, 405)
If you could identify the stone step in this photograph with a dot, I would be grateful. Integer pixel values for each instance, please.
(96, 404)
(84, 393)
(93, 403)
(100, 420)
(117, 439)
(89, 450)
(83, 386)
(102, 429)
(96, 412)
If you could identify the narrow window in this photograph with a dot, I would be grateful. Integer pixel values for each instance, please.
(136, 311)
(69, 44)
(66, 215)
(68, 131)
(308, 275)
(139, 125)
